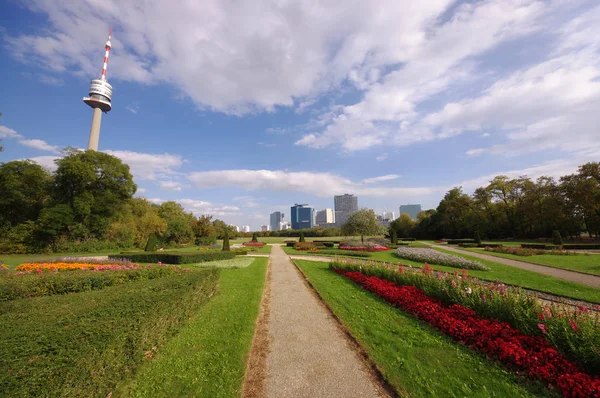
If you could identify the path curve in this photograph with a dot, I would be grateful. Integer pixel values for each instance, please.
(584, 279)
(309, 356)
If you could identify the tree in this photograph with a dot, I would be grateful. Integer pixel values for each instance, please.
(24, 190)
(204, 231)
(254, 237)
(556, 238)
(403, 225)
(393, 236)
(179, 223)
(226, 242)
(94, 185)
(151, 244)
(362, 222)
(301, 237)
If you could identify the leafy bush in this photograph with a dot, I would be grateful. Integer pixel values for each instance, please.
(393, 236)
(14, 286)
(458, 241)
(175, 257)
(556, 238)
(206, 240)
(84, 344)
(226, 247)
(431, 256)
(305, 246)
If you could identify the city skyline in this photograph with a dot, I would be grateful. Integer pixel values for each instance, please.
(453, 100)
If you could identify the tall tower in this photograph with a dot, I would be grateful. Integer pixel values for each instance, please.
(99, 99)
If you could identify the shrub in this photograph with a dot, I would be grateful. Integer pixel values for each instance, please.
(254, 237)
(458, 241)
(477, 238)
(151, 243)
(291, 244)
(393, 236)
(556, 238)
(175, 257)
(305, 246)
(226, 247)
(425, 255)
(206, 240)
(328, 244)
(468, 245)
(301, 237)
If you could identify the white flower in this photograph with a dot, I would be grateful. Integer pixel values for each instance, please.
(468, 290)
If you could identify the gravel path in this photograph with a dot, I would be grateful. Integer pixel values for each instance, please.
(309, 356)
(584, 279)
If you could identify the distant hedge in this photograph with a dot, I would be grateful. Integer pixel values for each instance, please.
(328, 241)
(538, 246)
(459, 241)
(175, 257)
(581, 246)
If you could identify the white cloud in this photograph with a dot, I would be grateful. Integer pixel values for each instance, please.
(6, 132)
(141, 190)
(40, 145)
(381, 157)
(170, 185)
(317, 184)
(387, 177)
(46, 161)
(131, 109)
(149, 166)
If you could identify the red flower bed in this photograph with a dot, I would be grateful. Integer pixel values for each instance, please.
(254, 244)
(375, 248)
(531, 354)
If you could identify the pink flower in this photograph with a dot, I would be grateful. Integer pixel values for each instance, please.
(39, 271)
(573, 325)
(542, 327)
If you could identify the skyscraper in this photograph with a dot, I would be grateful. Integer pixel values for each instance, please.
(411, 210)
(302, 216)
(344, 205)
(100, 97)
(325, 217)
(275, 220)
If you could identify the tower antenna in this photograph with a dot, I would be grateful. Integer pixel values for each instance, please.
(100, 97)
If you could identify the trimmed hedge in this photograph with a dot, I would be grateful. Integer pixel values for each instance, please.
(581, 246)
(328, 244)
(459, 241)
(328, 241)
(290, 244)
(539, 246)
(175, 257)
(468, 245)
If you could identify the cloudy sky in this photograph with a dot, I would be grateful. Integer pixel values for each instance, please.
(240, 108)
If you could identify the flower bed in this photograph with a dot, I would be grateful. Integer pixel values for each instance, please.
(531, 354)
(67, 263)
(371, 248)
(253, 244)
(497, 301)
(426, 255)
(527, 252)
(305, 246)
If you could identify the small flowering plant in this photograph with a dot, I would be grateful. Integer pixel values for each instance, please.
(432, 256)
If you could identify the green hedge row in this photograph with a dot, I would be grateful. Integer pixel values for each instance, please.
(63, 282)
(581, 246)
(85, 344)
(459, 241)
(175, 257)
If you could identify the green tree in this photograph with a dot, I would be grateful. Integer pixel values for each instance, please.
(226, 247)
(24, 190)
(403, 225)
(393, 236)
(362, 222)
(204, 231)
(556, 238)
(254, 237)
(301, 237)
(179, 223)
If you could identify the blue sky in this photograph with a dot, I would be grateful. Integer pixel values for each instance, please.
(240, 109)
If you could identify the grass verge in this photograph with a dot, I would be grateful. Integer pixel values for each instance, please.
(238, 262)
(84, 344)
(208, 356)
(510, 275)
(413, 357)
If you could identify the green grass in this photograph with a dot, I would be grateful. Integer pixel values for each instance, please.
(511, 275)
(208, 356)
(84, 344)
(589, 264)
(238, 262)
(415, 358)
(265, 249)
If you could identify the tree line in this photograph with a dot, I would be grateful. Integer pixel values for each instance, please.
(87, 204)
(514, 208)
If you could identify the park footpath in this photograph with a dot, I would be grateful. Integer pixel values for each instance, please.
(571, 276)
(309, 354)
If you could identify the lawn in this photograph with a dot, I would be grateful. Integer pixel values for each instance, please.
(208, 356)
(265, 249)
(589, 264)
(237, 262)
(414, 358)
(84, 344)
(511, 275)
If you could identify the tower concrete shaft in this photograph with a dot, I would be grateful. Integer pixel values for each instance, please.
(95, 130)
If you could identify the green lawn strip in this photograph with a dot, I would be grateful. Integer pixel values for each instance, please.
(238, 262)
(208, 356)
(83, 344)
(589, 264)
(265, 249)
(415, 358)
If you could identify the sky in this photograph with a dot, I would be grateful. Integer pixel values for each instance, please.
(242, 108)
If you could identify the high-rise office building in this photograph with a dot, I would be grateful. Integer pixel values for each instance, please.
(344, 205)
(284, 225)
(386, 218)
(411, 210)
(325, 217)
(302, 216)
(265, 228)
(275, 220)
(245, 228)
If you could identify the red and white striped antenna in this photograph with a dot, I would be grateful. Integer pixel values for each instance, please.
(106, 54)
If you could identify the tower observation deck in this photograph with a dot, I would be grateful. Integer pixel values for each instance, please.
(100, 96)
